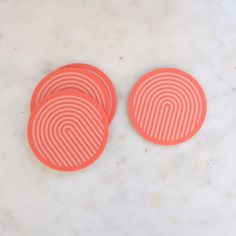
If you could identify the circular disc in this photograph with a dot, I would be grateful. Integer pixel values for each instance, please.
(106, 82)
(71, 79)
(167, 106)
(68, 131)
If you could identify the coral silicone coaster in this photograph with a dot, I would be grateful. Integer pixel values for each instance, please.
(106, 81)
(68, 131)
(71, 79)
(167, 106)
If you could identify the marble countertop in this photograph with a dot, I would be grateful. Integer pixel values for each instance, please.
(136, 187)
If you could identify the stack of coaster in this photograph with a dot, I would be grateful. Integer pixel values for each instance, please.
(71, 109)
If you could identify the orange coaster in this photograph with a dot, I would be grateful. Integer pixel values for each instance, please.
(68, 131)
(71, 79)
(106, 82)
(167, 106)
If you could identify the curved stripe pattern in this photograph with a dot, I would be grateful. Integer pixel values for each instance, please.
(71, 80)
(167, 106)
(106, 82)
(68, 131)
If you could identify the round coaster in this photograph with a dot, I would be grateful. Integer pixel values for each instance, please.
(71, 79)
(167, 106)
(105, 80)
(68, 131)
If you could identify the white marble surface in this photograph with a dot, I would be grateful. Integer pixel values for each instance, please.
(135, 188)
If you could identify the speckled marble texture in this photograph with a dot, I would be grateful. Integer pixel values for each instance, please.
(135, 188)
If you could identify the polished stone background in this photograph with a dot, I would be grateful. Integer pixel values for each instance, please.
(135, 188)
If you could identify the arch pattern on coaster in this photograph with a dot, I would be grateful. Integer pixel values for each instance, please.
(167, 106)
(106, 82)
(68, 131)
(71, 80)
